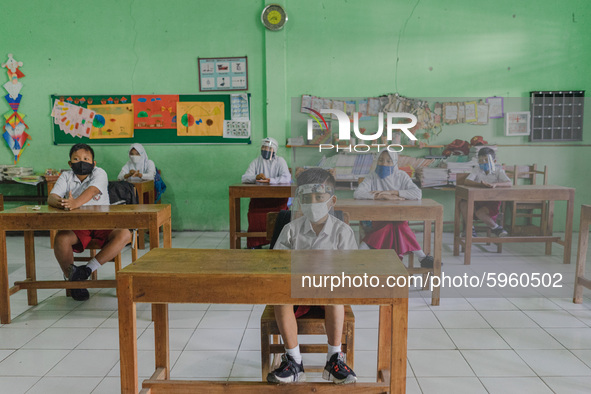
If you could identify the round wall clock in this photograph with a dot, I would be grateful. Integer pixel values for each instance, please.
(274, 17)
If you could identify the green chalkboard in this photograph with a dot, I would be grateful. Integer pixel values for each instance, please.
(150, 135)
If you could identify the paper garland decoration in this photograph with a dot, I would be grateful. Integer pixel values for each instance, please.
(14, 130)
(73, 119)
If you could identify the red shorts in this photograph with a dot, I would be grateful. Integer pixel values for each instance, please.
(492, 206)
(85, 236)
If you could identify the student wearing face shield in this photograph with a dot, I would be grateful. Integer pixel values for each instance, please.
(390, 183)
(267, 168)
(315, 229)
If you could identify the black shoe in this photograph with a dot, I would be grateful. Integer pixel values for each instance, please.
(427, 262)
(79, 294)
(337, 371)
(499, 232)
(288, 372)
(79, 273)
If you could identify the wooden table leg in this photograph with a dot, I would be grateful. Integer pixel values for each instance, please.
(161, 337)
(427, 237)
(581, 259)
(154, 234)
(167, 234)
(438, 244)
(568, 231)
(234, 222)
(4, 287)
(469, 224)
(385, 340)
(457, 218)
(399, 330)
(30, 265)
(127, 336)
(550, 228)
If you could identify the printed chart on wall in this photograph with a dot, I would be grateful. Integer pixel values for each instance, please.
(151, 119)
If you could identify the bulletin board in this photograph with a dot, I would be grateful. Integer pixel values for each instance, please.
(152, 119)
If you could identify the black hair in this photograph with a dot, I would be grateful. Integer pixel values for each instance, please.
(486, 151)
(78, 147)
(316, 176)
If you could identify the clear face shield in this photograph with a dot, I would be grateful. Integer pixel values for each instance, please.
(314, 200)
(267, 150)
(487, 164)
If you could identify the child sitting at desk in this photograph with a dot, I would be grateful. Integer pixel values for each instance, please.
(265, 169)
(85, 185)
(490, 175)
(316, 229)
(390, 183)
(138, 168)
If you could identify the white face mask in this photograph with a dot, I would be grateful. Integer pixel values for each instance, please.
(135, 159)
(315, 212)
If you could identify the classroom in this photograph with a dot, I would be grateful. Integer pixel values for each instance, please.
(473, 73)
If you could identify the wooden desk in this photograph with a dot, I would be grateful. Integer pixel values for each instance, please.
(521, 193)
(580, 280)
(425, 210)
(39, 198)
(251, 190)
(256, 277)
(143, 188)
(95, 217)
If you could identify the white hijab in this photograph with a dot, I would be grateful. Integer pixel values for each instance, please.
(142, 166)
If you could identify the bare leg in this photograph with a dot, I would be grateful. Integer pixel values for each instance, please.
(483, 215)
(64, 240)
(287, 324)
(115, 242)
(334, 317)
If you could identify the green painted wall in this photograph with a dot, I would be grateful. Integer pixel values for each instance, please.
(332, 48)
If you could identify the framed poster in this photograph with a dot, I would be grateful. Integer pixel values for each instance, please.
(223, 73)
(517, 123)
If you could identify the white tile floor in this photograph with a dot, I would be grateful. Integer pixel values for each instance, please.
(502, 343)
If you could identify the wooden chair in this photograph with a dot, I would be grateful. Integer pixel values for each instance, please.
(310, 324)
(527, 210)
(460, 180)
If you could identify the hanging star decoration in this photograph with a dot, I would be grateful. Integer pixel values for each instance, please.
(14, 130)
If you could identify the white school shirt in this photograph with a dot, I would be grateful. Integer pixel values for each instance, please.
(147, 169)
(478, 175)
(69, 182)
(398, 180)
(299, 235)
(275, 169)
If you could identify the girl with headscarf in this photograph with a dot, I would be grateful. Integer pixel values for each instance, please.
(390, 183)
(138, 168)
(271, 169)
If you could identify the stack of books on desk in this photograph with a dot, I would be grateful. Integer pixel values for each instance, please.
(455, 168)
(10, 172)
(431, 177)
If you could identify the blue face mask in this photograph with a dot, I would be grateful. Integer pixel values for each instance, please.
(484, 167)
(384, 171)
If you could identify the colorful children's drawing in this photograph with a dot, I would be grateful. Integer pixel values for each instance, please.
(200, 118)
(154, 111)
(73, 119)
(115, 121)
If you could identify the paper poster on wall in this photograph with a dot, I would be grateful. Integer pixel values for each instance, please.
(495, 107)
(482, 113)
(200, 118)
(112, 121)
(228, 73)
(154, 111)
(73, 119)
(239, 106)
(236, 128)
(471, 114)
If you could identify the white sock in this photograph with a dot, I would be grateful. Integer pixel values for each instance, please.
(419, 254)
(332, 350)
(495, 227)
(364, 246)
(295, 354)
(93, 264)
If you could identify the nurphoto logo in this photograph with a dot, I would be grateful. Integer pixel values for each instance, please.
(344, 125)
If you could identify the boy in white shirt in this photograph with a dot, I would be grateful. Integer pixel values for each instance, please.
(86, 184)
(316, 229)
(485, 176)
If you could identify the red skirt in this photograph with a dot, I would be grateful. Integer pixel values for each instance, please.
(257, 217)
(493, 208)
(392, 235)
